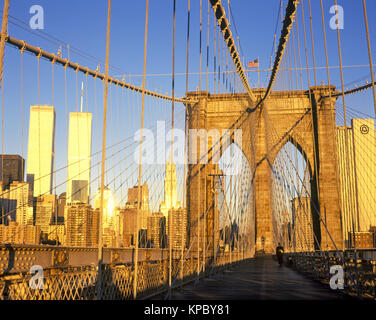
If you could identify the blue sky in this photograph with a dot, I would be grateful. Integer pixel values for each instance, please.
(82, 24)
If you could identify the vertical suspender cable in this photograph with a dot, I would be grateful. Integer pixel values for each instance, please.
(207, 50)
(214, 59)
(103, 164)
(199, 172)
(188, 28)
(299, 55)
(170, 215)
(200, 42)
(22, 147)
(344, 114)
(315, 78)
(77, 108)
(140, 158)
(187, 140)
(204, 221)
(54, 174)
(38, 58)
(3, 38)
(185, 132)
(219, 59)
(316, 156)
(313, 46)
(369, 54)
(330, 92)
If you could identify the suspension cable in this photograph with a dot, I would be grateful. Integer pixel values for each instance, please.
(140, 156)
(369, 54)
(103, 164)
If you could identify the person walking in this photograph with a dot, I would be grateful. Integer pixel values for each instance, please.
(279, 252)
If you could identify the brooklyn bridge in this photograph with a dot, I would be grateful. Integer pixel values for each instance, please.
(178, 170)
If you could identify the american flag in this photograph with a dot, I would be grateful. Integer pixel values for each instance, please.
(253, 64)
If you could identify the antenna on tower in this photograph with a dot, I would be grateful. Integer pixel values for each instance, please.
(82, 94)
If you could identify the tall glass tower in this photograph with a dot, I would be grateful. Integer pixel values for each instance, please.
(79, 156)
(41, 149)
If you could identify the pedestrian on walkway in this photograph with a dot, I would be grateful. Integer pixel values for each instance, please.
(279, 252)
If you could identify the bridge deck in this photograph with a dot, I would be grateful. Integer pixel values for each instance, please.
(258, 279)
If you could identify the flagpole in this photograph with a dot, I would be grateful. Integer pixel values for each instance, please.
(258, 71)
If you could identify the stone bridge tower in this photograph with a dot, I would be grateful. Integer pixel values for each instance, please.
(283, 117)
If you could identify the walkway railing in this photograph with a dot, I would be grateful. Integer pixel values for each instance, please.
(359, 269)
(80, 282)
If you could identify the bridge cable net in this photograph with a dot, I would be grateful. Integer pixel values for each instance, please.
(177, 242)
(287, 84)
(205, 242)
(80, 97)
(120, 171)
(354, 147)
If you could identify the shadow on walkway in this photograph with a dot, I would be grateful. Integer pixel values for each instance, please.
(258, 279)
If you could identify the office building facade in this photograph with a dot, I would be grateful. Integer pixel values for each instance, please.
(41, 149)
(79, 157)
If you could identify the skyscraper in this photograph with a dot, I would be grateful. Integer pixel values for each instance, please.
(356, 147)
(133, 196)
(45, 209)
(145, 208)
(21, 193)
(82, 225)
(108, 218)
(5, 205)
(11, 168)
(60, 207)
(19, 234)
(130, 222)
(79, 156)
(157, 230)
(170, 190)
(41, 149)
(177, 229)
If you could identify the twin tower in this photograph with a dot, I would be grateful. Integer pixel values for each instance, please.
(41, 153)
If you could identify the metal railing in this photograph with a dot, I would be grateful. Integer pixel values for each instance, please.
(359, 269)
(68, 282)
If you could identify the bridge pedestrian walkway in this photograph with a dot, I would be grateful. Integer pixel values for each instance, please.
(258, 279)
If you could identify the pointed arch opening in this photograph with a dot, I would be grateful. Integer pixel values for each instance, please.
(294, 199)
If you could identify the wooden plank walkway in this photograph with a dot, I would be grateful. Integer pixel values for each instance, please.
(258, 279)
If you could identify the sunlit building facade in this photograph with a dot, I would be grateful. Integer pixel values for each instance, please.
(19, 234)
(45, 209)
(157, 230)
(177, 228)
(129, 226)
(20, 192)
(56, 232)
(41, 149)
(82, 225)
(356, 147)
(108, 218)
(79, 157)
(170, 191)
(132, 203)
